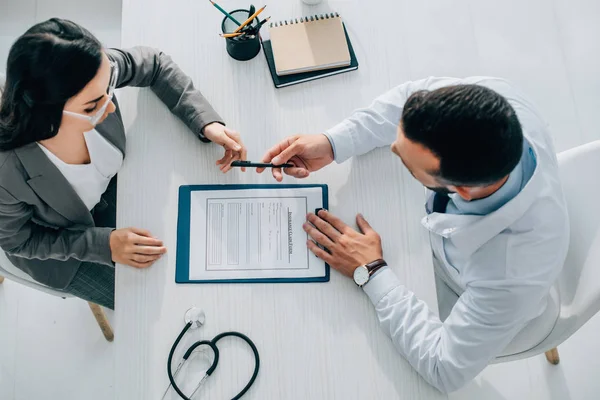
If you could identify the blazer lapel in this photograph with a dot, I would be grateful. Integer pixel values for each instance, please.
(51, 185)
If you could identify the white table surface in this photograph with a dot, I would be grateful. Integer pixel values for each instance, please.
(316, 341)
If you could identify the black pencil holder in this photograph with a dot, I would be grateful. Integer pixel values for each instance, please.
(244, 47)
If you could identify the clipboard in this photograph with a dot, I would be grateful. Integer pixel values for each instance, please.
(184, 256)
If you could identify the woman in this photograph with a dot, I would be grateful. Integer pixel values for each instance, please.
(62, 143)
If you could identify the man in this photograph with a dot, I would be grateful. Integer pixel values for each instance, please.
(496, 216)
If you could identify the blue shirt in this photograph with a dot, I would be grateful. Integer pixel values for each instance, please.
(517, 179)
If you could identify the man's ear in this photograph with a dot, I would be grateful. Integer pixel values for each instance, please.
(463, 191)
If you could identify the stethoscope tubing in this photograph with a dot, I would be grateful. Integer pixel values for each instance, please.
(213, 345)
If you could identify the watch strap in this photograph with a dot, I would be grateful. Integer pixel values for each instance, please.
(375, 266)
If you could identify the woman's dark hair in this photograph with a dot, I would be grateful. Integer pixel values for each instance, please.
(473, 130)
(52, 62)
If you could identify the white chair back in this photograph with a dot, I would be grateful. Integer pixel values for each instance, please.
(10, 272)
(579, 282)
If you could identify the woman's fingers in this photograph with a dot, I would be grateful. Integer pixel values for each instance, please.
(146, 241)
(225, 166)
(141, 258)
(150, 250)
(226, 155)
(140, 265)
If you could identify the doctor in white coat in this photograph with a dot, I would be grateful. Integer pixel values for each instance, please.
(496, 217)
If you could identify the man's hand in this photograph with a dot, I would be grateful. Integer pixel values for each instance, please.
(231, 142)
(135, 247)
(348, 249)
(308, 153)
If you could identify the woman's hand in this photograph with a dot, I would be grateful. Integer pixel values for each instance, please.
(135, 247)
(231, 142)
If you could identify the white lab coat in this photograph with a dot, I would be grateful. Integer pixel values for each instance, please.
(509, 259)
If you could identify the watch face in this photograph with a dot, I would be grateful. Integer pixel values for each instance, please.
(361, 275)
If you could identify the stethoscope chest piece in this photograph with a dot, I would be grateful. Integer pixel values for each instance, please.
(196, 316)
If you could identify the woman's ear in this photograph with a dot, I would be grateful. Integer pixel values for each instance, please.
(2, 82)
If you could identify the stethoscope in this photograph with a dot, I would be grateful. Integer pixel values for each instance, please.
(194, 318)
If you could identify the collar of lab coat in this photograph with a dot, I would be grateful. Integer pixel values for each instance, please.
(469, 232)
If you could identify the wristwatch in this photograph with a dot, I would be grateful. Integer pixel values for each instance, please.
(363, 273)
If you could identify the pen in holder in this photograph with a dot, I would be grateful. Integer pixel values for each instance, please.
(246, 46)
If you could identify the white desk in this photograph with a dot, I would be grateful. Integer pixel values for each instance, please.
(316, 341)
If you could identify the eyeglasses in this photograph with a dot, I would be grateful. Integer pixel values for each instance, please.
(93, 119)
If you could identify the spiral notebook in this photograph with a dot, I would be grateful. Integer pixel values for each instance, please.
(308, 48)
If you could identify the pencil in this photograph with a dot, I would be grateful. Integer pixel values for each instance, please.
(249, 20)
(264, 21)
(218, 7)
(230, 35)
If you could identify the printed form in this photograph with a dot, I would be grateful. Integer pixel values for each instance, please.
(252, 233)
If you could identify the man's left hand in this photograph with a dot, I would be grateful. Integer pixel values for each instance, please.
(348, 249)
(231, 142)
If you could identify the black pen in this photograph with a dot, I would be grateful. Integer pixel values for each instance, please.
(250, 164)
(264, 21)
(253, 30)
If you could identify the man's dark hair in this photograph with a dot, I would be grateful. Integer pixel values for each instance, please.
(473, 130)
(50, 63)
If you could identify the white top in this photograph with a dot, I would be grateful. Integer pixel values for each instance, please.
(91, 180)
(504, 263)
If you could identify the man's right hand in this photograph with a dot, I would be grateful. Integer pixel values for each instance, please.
(135, 247)
(308, 153)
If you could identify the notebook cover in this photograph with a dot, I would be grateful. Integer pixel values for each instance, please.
(288, 80)
(309, 46)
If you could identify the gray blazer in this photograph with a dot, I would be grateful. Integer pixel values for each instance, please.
(45, 228)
